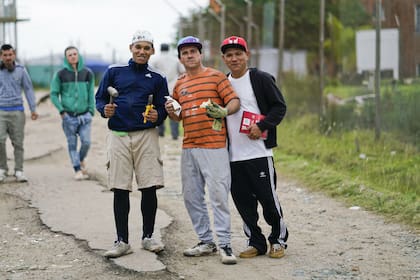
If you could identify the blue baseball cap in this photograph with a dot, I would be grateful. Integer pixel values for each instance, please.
(189, 41)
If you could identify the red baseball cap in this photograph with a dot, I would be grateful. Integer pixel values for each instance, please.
(234, 42)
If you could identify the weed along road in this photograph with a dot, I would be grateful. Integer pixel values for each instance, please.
(54, 227)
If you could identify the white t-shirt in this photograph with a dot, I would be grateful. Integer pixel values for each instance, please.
(241, 147)
(170, 66)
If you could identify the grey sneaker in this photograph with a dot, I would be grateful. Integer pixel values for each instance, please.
(20, 177)
(3, 175)
(201, 249)
(120, 249)
(150, 244)
(227, 256)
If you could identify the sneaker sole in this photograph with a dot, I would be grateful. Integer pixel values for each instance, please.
(249, 254)
(229, 262)
(21, 180)
(156, 250)
(276, 256)
(117, 256)
(200, 254)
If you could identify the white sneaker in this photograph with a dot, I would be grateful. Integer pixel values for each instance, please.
(80, 176)
(150, 244)
(20, 177)
(3, 175)
(120, 249)
(227, 256)
(201, 249)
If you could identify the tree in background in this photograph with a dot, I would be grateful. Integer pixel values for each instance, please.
(301, 29)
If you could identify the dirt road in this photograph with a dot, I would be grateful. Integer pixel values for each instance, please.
(327, 239)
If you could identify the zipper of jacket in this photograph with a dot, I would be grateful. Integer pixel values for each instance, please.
(77, 88)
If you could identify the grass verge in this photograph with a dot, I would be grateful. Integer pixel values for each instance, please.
(380, 176)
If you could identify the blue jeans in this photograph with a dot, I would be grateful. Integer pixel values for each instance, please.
(73, 127)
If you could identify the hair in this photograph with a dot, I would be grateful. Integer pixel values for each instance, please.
(70, 48)
(6, 47)
(164, 47)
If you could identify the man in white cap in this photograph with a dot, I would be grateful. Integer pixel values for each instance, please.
(133, 112)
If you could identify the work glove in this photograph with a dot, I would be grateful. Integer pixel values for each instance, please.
(216, 111)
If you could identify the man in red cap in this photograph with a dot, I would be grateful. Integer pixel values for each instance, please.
(251, 156)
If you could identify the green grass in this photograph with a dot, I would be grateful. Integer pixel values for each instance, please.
(379, 176)
(346, 91)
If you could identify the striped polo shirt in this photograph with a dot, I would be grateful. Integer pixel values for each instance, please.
(190, 92)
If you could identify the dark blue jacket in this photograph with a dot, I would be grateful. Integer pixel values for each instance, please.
(134, 83)
(271, 103)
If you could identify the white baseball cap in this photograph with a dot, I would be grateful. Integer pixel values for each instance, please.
(142, 35)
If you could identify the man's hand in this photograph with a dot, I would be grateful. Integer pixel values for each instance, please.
(254, 132)
(216, 111)
(109, 110)
(152, 115)
(34, 115)
(174, 112)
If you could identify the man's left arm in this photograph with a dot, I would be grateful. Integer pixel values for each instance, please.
(29, 93)
(274, 103)
(233, 106)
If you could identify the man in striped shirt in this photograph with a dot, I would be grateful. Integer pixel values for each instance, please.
(205, 159)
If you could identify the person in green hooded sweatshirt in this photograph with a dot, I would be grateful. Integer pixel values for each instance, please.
(72, 93)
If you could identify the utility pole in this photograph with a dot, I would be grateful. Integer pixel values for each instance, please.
(281, 39)
(249, 22)
(257, 44)
(321, 56)
(201, 20)
(378, 72)
(181, 18)
(239, 24)
(222, 22)
(8, 15)
(217, 7)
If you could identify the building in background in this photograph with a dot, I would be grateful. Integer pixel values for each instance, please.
(403, 15)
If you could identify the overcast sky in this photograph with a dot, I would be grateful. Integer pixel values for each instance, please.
(95, 26)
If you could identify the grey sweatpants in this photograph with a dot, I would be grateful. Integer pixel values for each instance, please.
(200, 167)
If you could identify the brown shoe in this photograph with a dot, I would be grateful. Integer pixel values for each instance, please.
(249, 252)
(276, 251)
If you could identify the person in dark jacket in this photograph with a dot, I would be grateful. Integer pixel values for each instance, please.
(133, 113)
(72, 93)
(250, 150)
